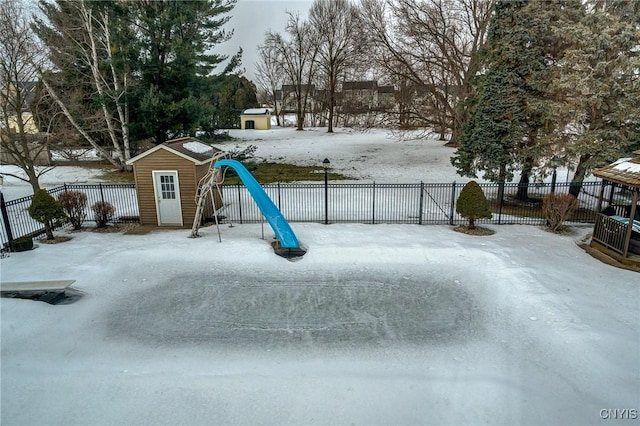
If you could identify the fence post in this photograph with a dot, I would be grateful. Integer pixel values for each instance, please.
(453, 202)
(101, 192)
(373, 206)
(501, 195)
(279, 201)
(421, 208)
(239, 203)
(5, 219)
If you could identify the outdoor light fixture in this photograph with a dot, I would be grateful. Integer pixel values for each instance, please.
(555, 163)
(325, 165)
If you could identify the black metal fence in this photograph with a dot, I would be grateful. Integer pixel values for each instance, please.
(419, 203)
(372, 203)
(16, 222)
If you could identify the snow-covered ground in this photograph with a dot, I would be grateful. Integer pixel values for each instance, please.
(376, 324)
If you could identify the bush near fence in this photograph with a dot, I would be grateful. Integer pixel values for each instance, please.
(372, 203)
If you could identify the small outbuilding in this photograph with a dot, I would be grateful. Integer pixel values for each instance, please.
(255, 118)
(167, 178)
(617, 226)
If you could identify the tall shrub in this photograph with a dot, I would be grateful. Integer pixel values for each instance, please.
(45, 209)
(74, 205)
(472, 204)
(557, 208)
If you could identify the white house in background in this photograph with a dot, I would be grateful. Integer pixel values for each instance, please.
(255, 118)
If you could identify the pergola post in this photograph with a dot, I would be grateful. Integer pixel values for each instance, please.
(632, 212)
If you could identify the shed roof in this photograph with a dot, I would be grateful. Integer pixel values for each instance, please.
(625, 171)
(256, 111)
(189, 148)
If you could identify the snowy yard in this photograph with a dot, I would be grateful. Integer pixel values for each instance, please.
(376, 324)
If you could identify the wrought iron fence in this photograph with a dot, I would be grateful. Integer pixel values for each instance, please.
(16, 221)
(337, 202)
(419, 203)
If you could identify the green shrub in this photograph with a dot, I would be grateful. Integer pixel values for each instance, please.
(103, 211)
(22, 244)
(74, 204)
(45, 209)
(472, 204)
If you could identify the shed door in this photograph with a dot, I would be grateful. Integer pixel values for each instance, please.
(167, 192)
(249, 124)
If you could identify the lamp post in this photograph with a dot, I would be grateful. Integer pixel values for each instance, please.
(555, 163)
(325, 165)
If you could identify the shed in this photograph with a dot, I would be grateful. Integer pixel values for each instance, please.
(255, 118)
(617, 227)
(167, 178)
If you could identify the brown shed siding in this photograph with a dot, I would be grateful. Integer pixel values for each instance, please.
(187, 181)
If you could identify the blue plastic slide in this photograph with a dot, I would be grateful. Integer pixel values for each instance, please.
(278, 223)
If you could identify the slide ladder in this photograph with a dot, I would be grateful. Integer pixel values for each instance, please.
(211, 180)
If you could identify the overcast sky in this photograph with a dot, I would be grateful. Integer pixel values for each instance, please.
(251, 19)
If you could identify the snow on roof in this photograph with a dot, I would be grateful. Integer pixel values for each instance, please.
(624, 170)
(197, 147)
(256, 111)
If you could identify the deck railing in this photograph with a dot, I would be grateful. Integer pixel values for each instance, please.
(610, 232)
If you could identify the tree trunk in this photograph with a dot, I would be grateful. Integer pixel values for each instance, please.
(48, 229)
(523, 185)
(578, 177)
(472, 223)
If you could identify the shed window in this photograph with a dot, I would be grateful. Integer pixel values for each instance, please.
(168, 187)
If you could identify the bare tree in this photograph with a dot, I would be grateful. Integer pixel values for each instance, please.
(434, 45)
(268, 75)
(334, 22)
(80, 35)
(298, 55)
(20, 56)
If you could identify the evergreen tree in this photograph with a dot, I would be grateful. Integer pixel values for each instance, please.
(599, 113)
(501, 132)
(472, 204)
(174, 38)
(45, 209)
(232, 94)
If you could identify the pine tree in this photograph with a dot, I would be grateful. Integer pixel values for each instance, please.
(472, 204)
(502, 130)
(599, 113)
(174, 41)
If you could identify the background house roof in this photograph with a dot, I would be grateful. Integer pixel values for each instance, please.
(360, 85)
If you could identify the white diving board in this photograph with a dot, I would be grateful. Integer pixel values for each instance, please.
(35, 285)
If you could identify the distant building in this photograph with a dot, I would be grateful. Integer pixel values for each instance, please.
(366, 95)
(255, 118)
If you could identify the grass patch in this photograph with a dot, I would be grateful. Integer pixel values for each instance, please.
(269, 172)
(117, 176)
